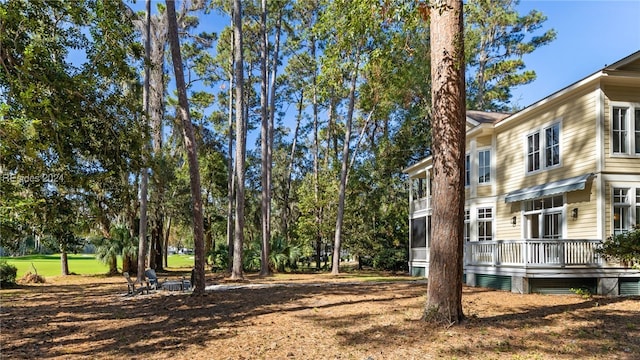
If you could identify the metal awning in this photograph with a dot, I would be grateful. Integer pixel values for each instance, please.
(548, 189)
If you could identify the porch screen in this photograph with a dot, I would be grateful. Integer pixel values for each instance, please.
(419, 232)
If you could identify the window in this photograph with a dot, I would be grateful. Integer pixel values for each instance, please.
(419, 232)
(484, 166)
(533, 152)
(636, 124)
(550, 157)
(544, 218)
(467, 170)
(485, 224)
(552, 145)
(625, 129)
(619, 132)
(626, 209)
(637, 206)
(467, 225)
(552, 228)
(419, 188)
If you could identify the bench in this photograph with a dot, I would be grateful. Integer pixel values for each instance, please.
(134, 288)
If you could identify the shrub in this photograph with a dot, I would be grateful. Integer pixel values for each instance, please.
(391, 259)
(8, 274)
(624, 247)
(219, 257)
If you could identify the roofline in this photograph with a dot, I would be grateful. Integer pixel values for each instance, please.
(601, 73)
(562, 92)
(480, 129)
(624, 61)
(411, 169)
(473, 122)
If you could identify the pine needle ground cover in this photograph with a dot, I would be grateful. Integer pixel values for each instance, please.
(306, 317)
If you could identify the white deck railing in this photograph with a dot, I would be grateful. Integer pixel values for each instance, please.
(419, 254)
(534, 252)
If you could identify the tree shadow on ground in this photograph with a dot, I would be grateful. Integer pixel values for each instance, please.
(145, 324)
(94, 320)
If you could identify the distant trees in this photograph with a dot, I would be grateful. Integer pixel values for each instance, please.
(65, 125)
(496, 39)
(340, 92)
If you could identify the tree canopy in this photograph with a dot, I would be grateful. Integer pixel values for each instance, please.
(342, 89)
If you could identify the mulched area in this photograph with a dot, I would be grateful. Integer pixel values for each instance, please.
(306, 317)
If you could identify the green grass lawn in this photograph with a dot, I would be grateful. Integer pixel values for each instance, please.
(49, 265)
(81, 264)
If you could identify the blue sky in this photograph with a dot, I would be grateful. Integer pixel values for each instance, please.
(590, 35)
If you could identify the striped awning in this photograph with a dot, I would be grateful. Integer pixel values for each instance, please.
(548, 189)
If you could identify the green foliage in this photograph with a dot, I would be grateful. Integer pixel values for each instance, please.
(582, 292)
(219, 257)
(624, 247)
(283, 256)
(496, 39)
(395, 259)
(8, 274)
(119, 243)
(68, 117)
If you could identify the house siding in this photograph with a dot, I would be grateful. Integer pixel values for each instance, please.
(618, 163)
(583, 111)
(585, 201)
(577, 135)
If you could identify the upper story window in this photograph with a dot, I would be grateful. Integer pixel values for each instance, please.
(533, 152)
(484, 166)
(552, 145)
(625, 129)
(543, 148)
(467, 170)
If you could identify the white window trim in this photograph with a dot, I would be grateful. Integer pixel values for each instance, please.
(631, 204)
(631, 145)
(467, 156)
(491, 166)
(542, 147)
(562, 210)
(476, 222)
(467, 223)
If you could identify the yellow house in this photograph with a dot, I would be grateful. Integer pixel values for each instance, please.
(544, 187)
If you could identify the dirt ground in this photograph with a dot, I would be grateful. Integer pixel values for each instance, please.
(306, 317)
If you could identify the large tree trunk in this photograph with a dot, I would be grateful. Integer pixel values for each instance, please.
(265, 142)
(316, 155)
(444, 294)
(190, 145)
(286, 217)
(272, 96)
(230, 165)
(157, 115)
(337, 241)
(236, 270)
(166, 242)
(209, 243)
(64, 263)
(113, 265)
(142, 235)
(158, 38)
